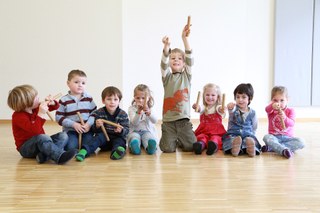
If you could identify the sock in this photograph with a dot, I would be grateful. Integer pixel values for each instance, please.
(287, 153)
(66, 156)
(118, 153)
(81, 155)
(152, 146)
(135, 147)
(212, 148)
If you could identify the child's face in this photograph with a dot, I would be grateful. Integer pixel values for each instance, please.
(242, 101)
(139, 97)
(77, 85)
(111, 103)
(176, 62)
(281, 99)
(210, 96)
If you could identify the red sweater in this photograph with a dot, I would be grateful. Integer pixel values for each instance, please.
(26, 125)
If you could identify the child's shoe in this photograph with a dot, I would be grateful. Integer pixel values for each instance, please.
(152, 146)
(41, 158)
(266, 148)
(118, 153)
(287, 153)
(135, 147)
(81, 155)
(251, 148)
(236, 146)
(212, 148)
(197, 148)
(66, 156)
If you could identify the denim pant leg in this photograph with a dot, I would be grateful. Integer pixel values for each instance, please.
(116, 142)
(274, 143)
(99, 140)
(291, 143)
(41, 143)
(73, 142)
(60, 139)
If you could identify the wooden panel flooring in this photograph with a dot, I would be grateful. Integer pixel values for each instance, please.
(178, 182)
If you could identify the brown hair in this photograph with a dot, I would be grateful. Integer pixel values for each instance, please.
(144, 88)
(279, 89)
(244, 89)
(181, 52)
(73, 73)
(109, 91)
(21, 97)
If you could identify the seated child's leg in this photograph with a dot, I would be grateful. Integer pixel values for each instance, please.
(118, 148)
(294, 144)
(186, 137)
(73, 142)
(89, 147)
(212, 148)
(149, 143)
(134, 145)
(168, 141)
(198, 147)
(236, 146)
(273, 142)
(60, 139)
(250, 146)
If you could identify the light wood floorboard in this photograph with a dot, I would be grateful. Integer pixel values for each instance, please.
(178, 182)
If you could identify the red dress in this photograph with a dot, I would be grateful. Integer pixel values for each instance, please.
(210, 129)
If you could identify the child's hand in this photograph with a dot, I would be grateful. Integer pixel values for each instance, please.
(78, 127)
(195, 106)
(166, 45)
(43, 109)
(230, 105)
(118, 129)
(276, 106)
(49, 99)
(86, 127)
(147, 111)
(99, 123)
(185, 32)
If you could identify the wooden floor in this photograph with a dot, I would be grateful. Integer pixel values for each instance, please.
(178, 182)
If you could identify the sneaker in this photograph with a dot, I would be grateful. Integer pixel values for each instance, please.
(152, 146)
(41, 158)
(81, 155)
(251, 148)
(66, 156)
(266, 148)
(135, 147)
(287, 153)
(118, 153)
(236, 146)
(212, 148)
(197, 148)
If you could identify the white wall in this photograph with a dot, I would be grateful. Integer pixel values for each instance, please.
(232, 42)
(119, 43)
(42, 40)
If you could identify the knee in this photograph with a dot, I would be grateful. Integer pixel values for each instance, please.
(43, 138)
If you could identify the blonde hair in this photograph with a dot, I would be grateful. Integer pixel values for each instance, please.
(21, 97)
(218, 91)
(73, 73)
(143, 88)
(279, 89)
(181, 52)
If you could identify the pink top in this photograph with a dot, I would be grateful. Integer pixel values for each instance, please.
(275, 123)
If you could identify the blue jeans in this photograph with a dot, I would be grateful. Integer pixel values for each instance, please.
(73, 142)
(51, 146)
(278, 143)
(99, 140)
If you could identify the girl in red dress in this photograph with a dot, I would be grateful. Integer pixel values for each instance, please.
(210, 129)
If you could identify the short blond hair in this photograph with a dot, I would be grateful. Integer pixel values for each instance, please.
(216, 88)
(21, 97)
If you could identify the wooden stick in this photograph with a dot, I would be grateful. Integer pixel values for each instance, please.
(111, 123)
(188, 25)
(281, 119)
(80, 134)
(145, 104)
(105, 133)
(198, 100)
(54, 98)
(223, 102)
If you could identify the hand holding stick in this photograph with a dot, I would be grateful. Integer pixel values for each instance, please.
(281, 119)
(112, 123)
(198, 100)
(54, 98)
(145, 104)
